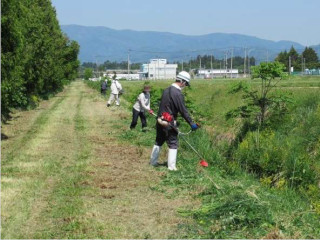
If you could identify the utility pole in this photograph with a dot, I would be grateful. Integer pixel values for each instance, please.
(301, 64)
(128, 64)
(211, 68)
(267, 56)
(165, 71)
(289, 65)
(226, 62)
(249, 71)
(231, 61)
(97, 70)
(244, 62)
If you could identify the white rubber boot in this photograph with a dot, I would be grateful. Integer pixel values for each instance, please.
(155, 155)
(172, 159)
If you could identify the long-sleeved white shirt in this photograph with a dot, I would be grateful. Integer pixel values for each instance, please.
(115, 87)
(142, 103)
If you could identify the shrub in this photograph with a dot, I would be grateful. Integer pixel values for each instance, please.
(289, 148)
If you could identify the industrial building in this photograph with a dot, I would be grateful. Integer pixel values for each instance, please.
(131, 76)
(213, 73)
(158, 69)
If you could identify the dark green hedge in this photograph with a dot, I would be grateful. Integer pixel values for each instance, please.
(37, 59)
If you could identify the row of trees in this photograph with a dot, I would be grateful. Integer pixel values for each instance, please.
(37, 59)
(209, 61)
(308, 59)
(111, 65)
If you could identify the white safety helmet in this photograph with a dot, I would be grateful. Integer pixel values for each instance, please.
(184, 76)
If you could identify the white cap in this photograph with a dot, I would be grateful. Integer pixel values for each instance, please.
(184, 76)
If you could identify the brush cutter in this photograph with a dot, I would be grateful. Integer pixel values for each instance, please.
(202, 162)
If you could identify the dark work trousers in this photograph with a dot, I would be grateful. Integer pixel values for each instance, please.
(167, 134)
(135, 115)
(103, 92)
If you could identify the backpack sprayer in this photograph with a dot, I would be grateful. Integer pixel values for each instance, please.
(165, 120)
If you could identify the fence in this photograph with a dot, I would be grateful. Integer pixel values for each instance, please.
(307, 72)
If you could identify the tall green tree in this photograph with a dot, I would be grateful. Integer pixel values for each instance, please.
(12, 53)
(311, 58)
(71, 62)
(283, 57)
(37, 59)
(295, 59)
(88, 73)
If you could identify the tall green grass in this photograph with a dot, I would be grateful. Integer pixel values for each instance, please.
(234, 203)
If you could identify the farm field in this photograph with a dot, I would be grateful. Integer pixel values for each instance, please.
(71, 168)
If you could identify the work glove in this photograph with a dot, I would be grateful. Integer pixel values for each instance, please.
(151, 111)
(194, 126)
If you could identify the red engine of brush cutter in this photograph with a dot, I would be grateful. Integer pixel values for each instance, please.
(203, 163)
(166, 116)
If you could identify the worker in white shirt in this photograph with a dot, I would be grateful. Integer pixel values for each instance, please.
(141, 105)
(114, 95)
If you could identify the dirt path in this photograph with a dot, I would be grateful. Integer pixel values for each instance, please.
(64, 175)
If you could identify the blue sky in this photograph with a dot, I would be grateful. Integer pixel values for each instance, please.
(294, 20)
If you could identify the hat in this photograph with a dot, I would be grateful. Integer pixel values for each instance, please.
(184, 76)
(146, 88)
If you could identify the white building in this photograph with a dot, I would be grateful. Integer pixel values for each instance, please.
(95, 79)
(212, 73)
(158, 69)
(131, 76)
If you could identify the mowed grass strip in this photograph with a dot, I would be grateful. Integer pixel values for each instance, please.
(35, 128)
(66, 208)
(124, 203)
(39, 188)
(23, 177)
(73, 179)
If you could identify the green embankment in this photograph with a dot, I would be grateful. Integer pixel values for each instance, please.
(249, 191)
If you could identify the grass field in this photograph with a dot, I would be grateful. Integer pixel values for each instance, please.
(72, 169)
(292, 142)
(65, 175)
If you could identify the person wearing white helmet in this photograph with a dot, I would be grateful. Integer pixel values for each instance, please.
(114, 94)
(172, 103)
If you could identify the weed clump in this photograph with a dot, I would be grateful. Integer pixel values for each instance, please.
(235, 214)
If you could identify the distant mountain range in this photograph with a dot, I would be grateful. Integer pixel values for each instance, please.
(98, 44)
